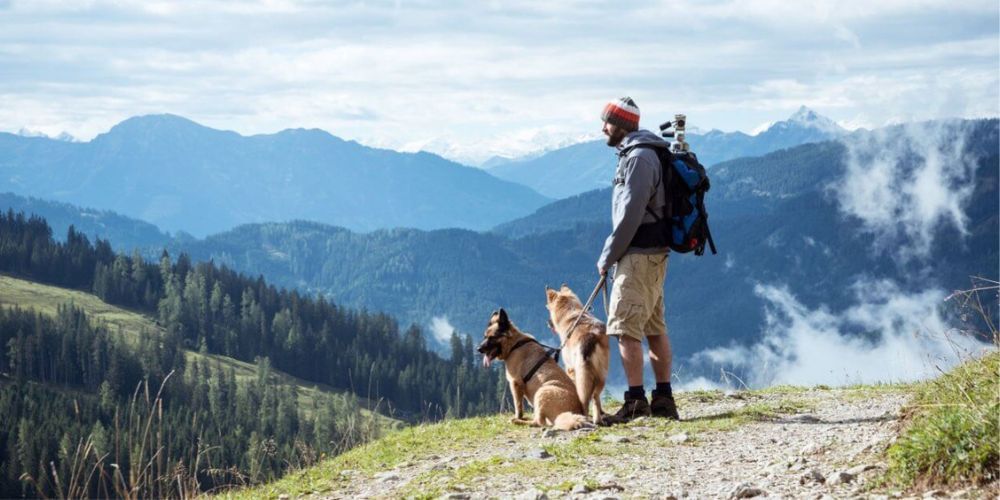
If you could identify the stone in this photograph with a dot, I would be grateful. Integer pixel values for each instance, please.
(812, 476)
(811, 449)
(678, 438)
(538, 453)
(580, 489)
(841, 477)
(935, 494)
(857, 470)
(456, 496)
(804, 418)
(550, 433)
(745, 490)
(615, 438)
(532, 494)
(284, 496)
(385, 477)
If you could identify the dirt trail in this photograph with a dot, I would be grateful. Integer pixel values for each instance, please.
(780, 444)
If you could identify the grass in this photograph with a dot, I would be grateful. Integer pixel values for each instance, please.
(953, 431)
(402, 445)
(46, 299)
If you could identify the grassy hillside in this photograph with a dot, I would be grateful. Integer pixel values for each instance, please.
(46, 299)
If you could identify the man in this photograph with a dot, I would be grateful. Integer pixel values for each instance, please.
(640, 260)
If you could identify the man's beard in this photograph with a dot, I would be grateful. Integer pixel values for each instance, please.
(616, 139)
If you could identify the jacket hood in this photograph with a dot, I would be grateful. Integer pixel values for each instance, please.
(642, 137)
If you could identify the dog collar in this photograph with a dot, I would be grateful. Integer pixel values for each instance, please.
(520, 343)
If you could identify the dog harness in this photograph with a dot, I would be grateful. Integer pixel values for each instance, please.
(534, 369)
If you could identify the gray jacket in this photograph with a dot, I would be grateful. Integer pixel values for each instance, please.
(636, 186)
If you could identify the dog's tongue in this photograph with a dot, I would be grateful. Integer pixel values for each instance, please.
(486, 361)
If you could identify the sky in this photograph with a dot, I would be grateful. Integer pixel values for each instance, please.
(472, 80)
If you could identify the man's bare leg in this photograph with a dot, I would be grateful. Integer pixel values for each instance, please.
(631, 351)
(660, 358)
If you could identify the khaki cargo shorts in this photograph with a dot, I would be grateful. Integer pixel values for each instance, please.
(636, 308)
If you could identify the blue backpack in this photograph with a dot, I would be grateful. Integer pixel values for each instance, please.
(684, 224)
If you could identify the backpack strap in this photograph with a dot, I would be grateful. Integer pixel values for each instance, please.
(664, 171)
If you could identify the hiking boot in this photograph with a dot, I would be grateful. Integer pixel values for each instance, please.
(663, 406)
(632, 408)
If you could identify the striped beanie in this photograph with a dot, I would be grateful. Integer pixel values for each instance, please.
(624, 113)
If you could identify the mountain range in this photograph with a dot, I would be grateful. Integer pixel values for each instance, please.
(182, 176)
(776, 220)
(590, 165)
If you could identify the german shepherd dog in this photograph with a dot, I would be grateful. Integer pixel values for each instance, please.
(548, 388)
(586, 352)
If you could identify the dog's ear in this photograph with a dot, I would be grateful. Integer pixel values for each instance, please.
(503, 322)
(564, 287)
(551, 294)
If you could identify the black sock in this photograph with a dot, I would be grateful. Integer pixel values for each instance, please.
(663, 389)
(635, 392)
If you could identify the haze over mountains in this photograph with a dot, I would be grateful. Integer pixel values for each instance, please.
(590, 165)
(182, 176)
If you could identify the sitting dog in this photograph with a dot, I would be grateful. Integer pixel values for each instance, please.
(532, 374)
(586, 352)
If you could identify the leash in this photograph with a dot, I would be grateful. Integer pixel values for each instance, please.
(586, 307)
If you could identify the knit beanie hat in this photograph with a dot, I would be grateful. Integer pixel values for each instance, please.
(624, 113)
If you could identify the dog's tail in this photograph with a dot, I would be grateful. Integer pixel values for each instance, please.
(584, 381)
(569, 421)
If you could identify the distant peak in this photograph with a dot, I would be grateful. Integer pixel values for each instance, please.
(161, 126)
(157, 120)
(807, 118)
(807, 115)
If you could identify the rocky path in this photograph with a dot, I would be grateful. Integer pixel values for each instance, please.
(775, 444)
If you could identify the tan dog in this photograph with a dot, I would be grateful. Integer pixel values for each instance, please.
(586, 352)
(532, 373)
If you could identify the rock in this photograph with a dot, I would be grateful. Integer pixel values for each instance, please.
(580, 489)
(745, 490)
(857, 470)
(532, 494)
(284, 496)
(678, 438)
(804, 418)
(935, 494)
(614, 438)
(538, 453)
(813, 476)
(457, 496)
(550, 433)
(841, 477)
(385, 477)
(811, 449)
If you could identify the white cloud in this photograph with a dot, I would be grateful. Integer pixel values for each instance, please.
(889, 335)
(474, 79)
(904, 184)
(441, 329)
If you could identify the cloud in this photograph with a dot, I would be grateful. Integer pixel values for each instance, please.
(888, 335)
(905, 183)
(441, 329)
(477, 79)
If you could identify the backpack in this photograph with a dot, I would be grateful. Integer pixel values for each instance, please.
(684, 225)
